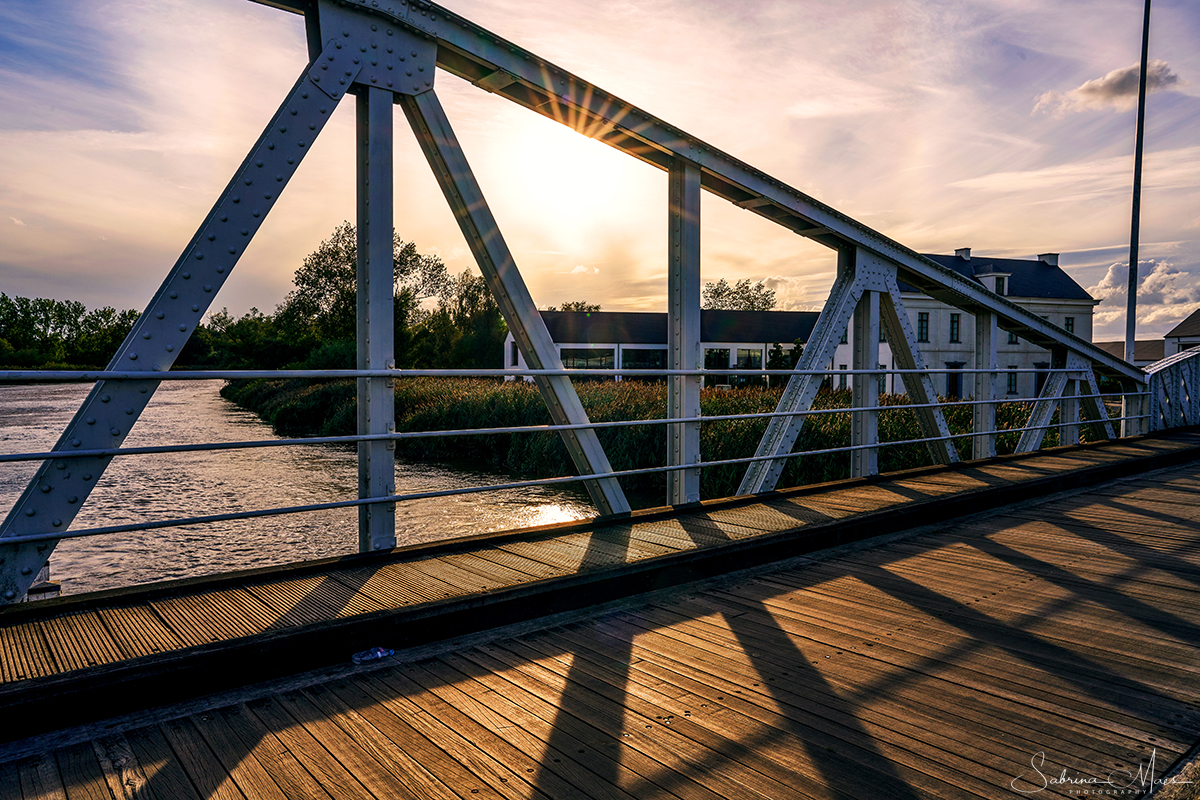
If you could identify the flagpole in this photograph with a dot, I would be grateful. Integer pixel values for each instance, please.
(1131, 307)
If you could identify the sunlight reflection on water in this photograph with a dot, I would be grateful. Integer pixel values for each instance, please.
(144, 488)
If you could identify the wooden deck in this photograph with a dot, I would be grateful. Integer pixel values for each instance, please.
(944, 663)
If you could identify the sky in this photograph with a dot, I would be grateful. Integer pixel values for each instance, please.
(1006, 126)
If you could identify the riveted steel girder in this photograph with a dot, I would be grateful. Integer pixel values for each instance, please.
(683, 329)
(59, 487)
(453, 173)
(499, 66)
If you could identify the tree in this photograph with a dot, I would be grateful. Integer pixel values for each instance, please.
(742, 296)
(575, 305)
(326, 283)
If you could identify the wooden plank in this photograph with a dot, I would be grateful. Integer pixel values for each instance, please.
(381, 587)
(357, 757)
(79, 640)
(577, 763)
(265, 714)
(81, 774)
(164, 774)
(285, 770)
(535, 570)
(198, 761)
(515, 766)
(237, 759)
(124, 775)
(463, 581)
(357, 707)
(10, 781)
(412, 706)
(39, 778)
(137, 630)
(310, 599)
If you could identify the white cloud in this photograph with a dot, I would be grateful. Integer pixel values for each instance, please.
(1165, 294)
(1118, 89)
(18, 222)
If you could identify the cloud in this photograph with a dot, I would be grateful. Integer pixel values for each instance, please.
(580, 269)
(1165, 293)
(18, 222)
(1118, 89)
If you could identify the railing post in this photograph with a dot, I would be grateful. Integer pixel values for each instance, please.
(864, 425)
(376, 338)
(983, 443)
(683, 312)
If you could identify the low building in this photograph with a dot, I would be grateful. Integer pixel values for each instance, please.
(945, 335)
(638, 339)
(1145, 351)
(1183, 336)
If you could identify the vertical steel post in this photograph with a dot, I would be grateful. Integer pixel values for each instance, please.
(1134, 233)
(683, 313)
(1068, 412)
(983, 443)
(864, 425)
(376, 335)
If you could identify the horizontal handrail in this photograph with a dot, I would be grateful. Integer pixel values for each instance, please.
(376, 437)
(398, 498)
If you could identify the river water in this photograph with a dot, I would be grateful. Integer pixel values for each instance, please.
(154, 487)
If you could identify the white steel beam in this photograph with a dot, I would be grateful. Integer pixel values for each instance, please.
(983, 443)
(781, 433)
(864, 422)
(58, 488)
(453, 173)
(1042, 413)
(683, 314)
(376, 333)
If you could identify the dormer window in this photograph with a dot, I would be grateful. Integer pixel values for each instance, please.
(1000, 284)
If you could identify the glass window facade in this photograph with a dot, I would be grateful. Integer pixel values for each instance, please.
(922, 326)
(589, 358)
(955, 327)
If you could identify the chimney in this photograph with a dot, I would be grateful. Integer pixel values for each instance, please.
(1049, 258)
(964, 253)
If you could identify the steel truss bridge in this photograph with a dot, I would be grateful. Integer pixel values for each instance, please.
(385, 53)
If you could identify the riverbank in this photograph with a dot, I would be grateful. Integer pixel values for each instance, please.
(306, 408)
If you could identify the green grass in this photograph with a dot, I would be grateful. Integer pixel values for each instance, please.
(306, 408)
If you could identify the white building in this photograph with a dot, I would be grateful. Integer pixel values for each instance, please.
(1183, 336)
(946, 335)
(743, 339)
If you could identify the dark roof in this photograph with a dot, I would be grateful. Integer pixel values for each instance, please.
(1143, 349)
(1026, 278)
(647, 327)
(1189, 327)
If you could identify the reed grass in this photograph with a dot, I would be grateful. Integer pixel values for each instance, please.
(304, 408)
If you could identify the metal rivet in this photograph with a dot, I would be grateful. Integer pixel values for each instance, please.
(195, 307)
(408, 72)
(236, 199)
(183, 327)
(361, 49)
(224, 218)
(323, 109)
(293, 112)
(207, 287)
(304, 95)
(283, 128)
(104, 398)
(29, 512)
(345, 33)
(331, 56)
(255, 215)
(72, 499)
(212, 236)
(291, 160)
(75, 443)
(220, 270)
(115, 431)
(258, 163)
(87, 476)
(245, 232)
(128, 411)
(374, 28)
(91, 420)
(267, 196)
(10, 594)
(159, 315)
(338, 45)
(389, 66)
(133, 356)
(26, 570)
(173, 295)
(45, 487)
(247, 181)
(389, 83)
(170, 349)
(414, 52)
(300, 143)
(421, 68)
(317, 78)
(57, 523)
(232, 250)
(200, 256)
(270, 145)
(186, 275)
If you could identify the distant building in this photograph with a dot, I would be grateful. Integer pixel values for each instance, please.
(1145, 351)
(945, 334)
(1183, 336)
(638, 339)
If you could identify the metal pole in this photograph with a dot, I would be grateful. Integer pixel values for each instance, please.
(683, 311)
(376, 336)
(1131, 306)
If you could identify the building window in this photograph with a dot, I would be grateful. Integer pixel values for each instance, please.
(1069, 324)
(845, 336)
(748, 359)
(955, 327)
(716, 359)
(883, 380)
(923, 326)
(513, 355)
(1012, 338)
(954, 380)
(587, 358)
(841, 378)
(1000, 284)
(637, 358)
(1012, 379)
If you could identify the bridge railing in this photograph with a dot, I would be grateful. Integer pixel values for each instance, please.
(1173, 390)
(1066, 425)
(865, 296)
